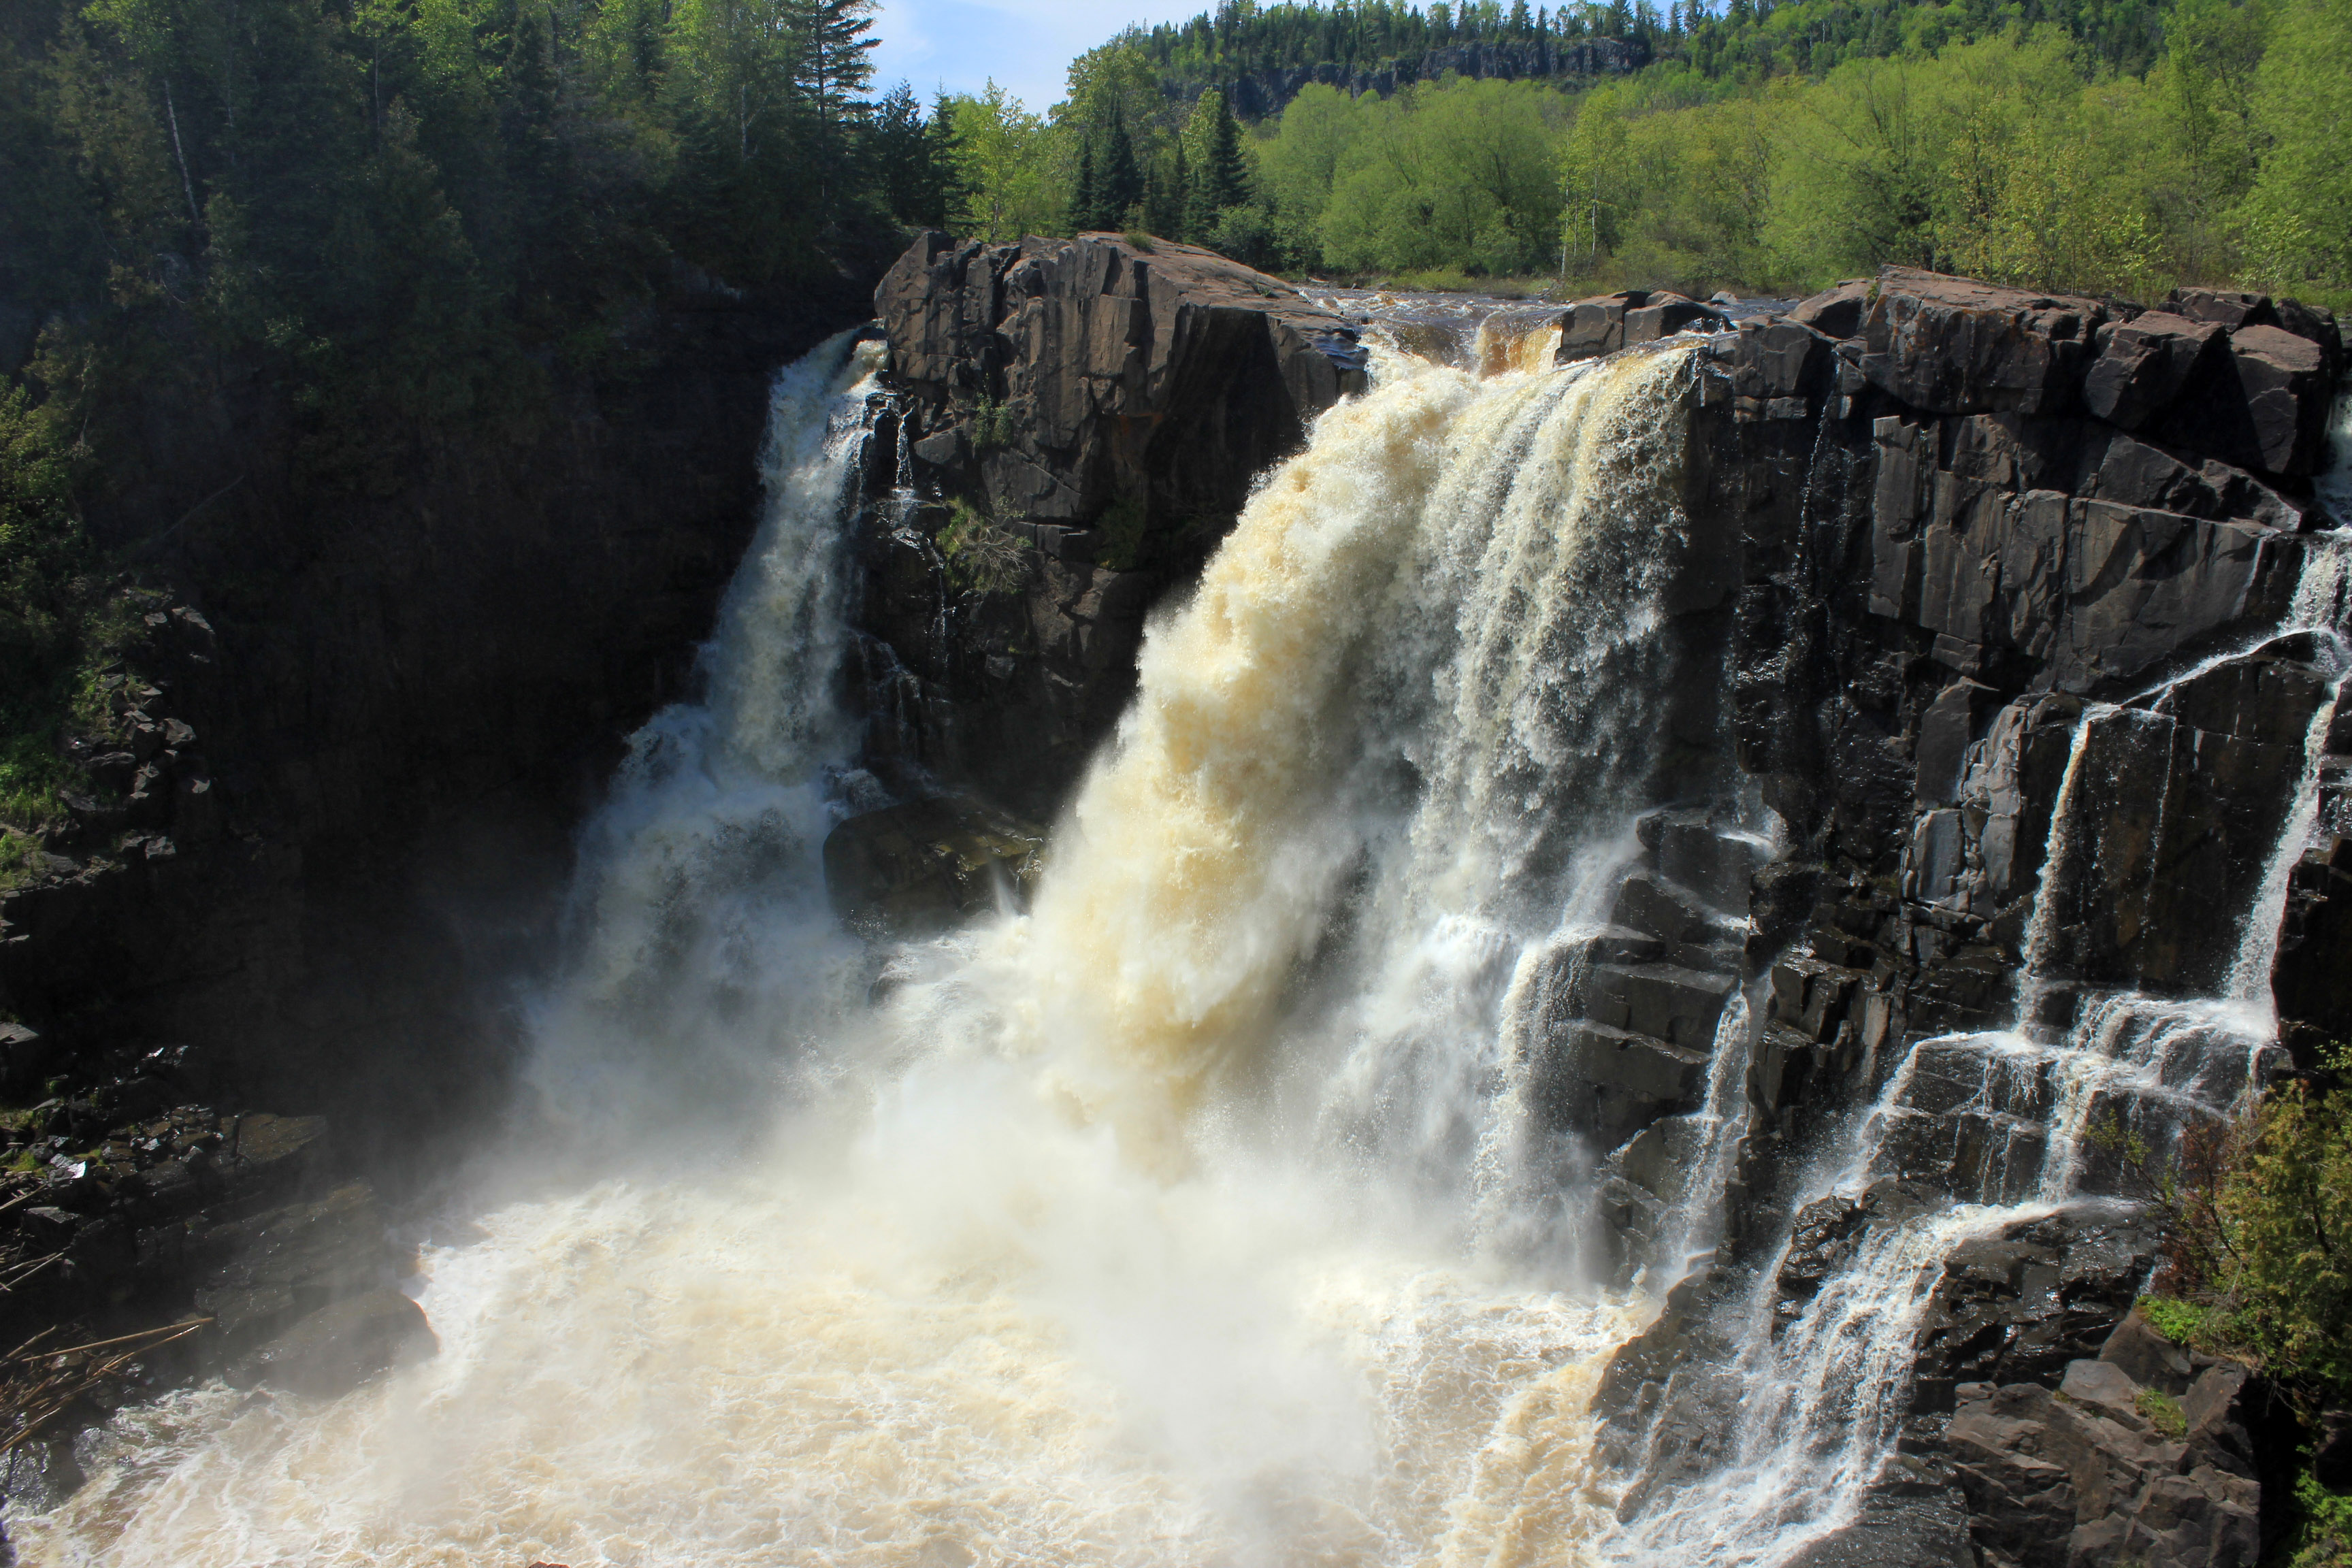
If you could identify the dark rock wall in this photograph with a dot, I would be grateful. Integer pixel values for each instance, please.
(1104, 410)
(1997, 550)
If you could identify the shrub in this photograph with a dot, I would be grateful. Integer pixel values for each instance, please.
(1122, 530)
(2163, 1412)
(980, 557)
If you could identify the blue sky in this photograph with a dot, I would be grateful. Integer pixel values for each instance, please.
(1026, 45)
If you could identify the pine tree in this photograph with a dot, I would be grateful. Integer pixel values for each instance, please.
(1220, 175)
(1121, 188)
(1169, 194)
(834, 63)
(907, 160)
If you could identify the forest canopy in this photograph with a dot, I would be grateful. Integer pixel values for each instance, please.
(1759, 147)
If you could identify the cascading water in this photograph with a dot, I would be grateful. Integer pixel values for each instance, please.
(1826, 1396)
(1158, 1225)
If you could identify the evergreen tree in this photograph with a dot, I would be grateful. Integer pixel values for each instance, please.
(909, 161)
(1170, 191)
(1121, 188)
(1219, 175)
(835, 55)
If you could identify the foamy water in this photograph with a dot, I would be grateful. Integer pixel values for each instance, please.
(1145, 1228)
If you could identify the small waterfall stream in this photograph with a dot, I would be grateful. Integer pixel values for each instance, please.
(1826, 1395)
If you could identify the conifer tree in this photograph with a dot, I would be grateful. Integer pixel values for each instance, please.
(1219, 175)
(1121, 181)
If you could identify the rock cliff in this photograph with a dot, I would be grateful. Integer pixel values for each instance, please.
(1080, 422)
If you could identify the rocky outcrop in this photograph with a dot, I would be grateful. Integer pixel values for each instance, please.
(1996, 553)
(1607, 323)
(2103, 1470)
(1079, 421)
(922, 865)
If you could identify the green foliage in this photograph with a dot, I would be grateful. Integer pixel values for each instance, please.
(1462, 173)
(2163, 1412)
(992, 425)
(45, 597)
(2259, 1218)
(980, 558)
(1003, 169)
(2323, 1538)
(2299, 219)
(2285, 1220)
(2188, 1324)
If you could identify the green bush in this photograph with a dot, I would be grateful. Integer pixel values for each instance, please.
(980, 558)
(2163, 1412)
(2324, 1538)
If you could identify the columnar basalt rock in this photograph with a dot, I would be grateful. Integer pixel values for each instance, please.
(1991, 542)
(1099, 408)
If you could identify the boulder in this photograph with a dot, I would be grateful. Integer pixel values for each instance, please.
(2135, 473)
(2284, 388)
(928, 862)
(1836, 312)
(2146, 1357)
(1607, 323)
(332, 1351)
(2146, 366)
(1951, 345)
(2223, 307)
(278, 1266)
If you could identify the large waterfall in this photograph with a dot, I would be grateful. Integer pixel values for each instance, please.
(1206, 1212)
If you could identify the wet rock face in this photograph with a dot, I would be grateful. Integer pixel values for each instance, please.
(1996, 550)
(923, 865)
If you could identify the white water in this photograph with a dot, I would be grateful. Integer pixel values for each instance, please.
(1823, 1400)
(1153, 1226)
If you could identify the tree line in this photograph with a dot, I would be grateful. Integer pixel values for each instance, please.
(1769, 148)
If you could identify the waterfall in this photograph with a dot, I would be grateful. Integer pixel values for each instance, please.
(1169, 1222)
(1825, 1395)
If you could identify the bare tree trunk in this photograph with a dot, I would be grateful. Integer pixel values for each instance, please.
(186, 184)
